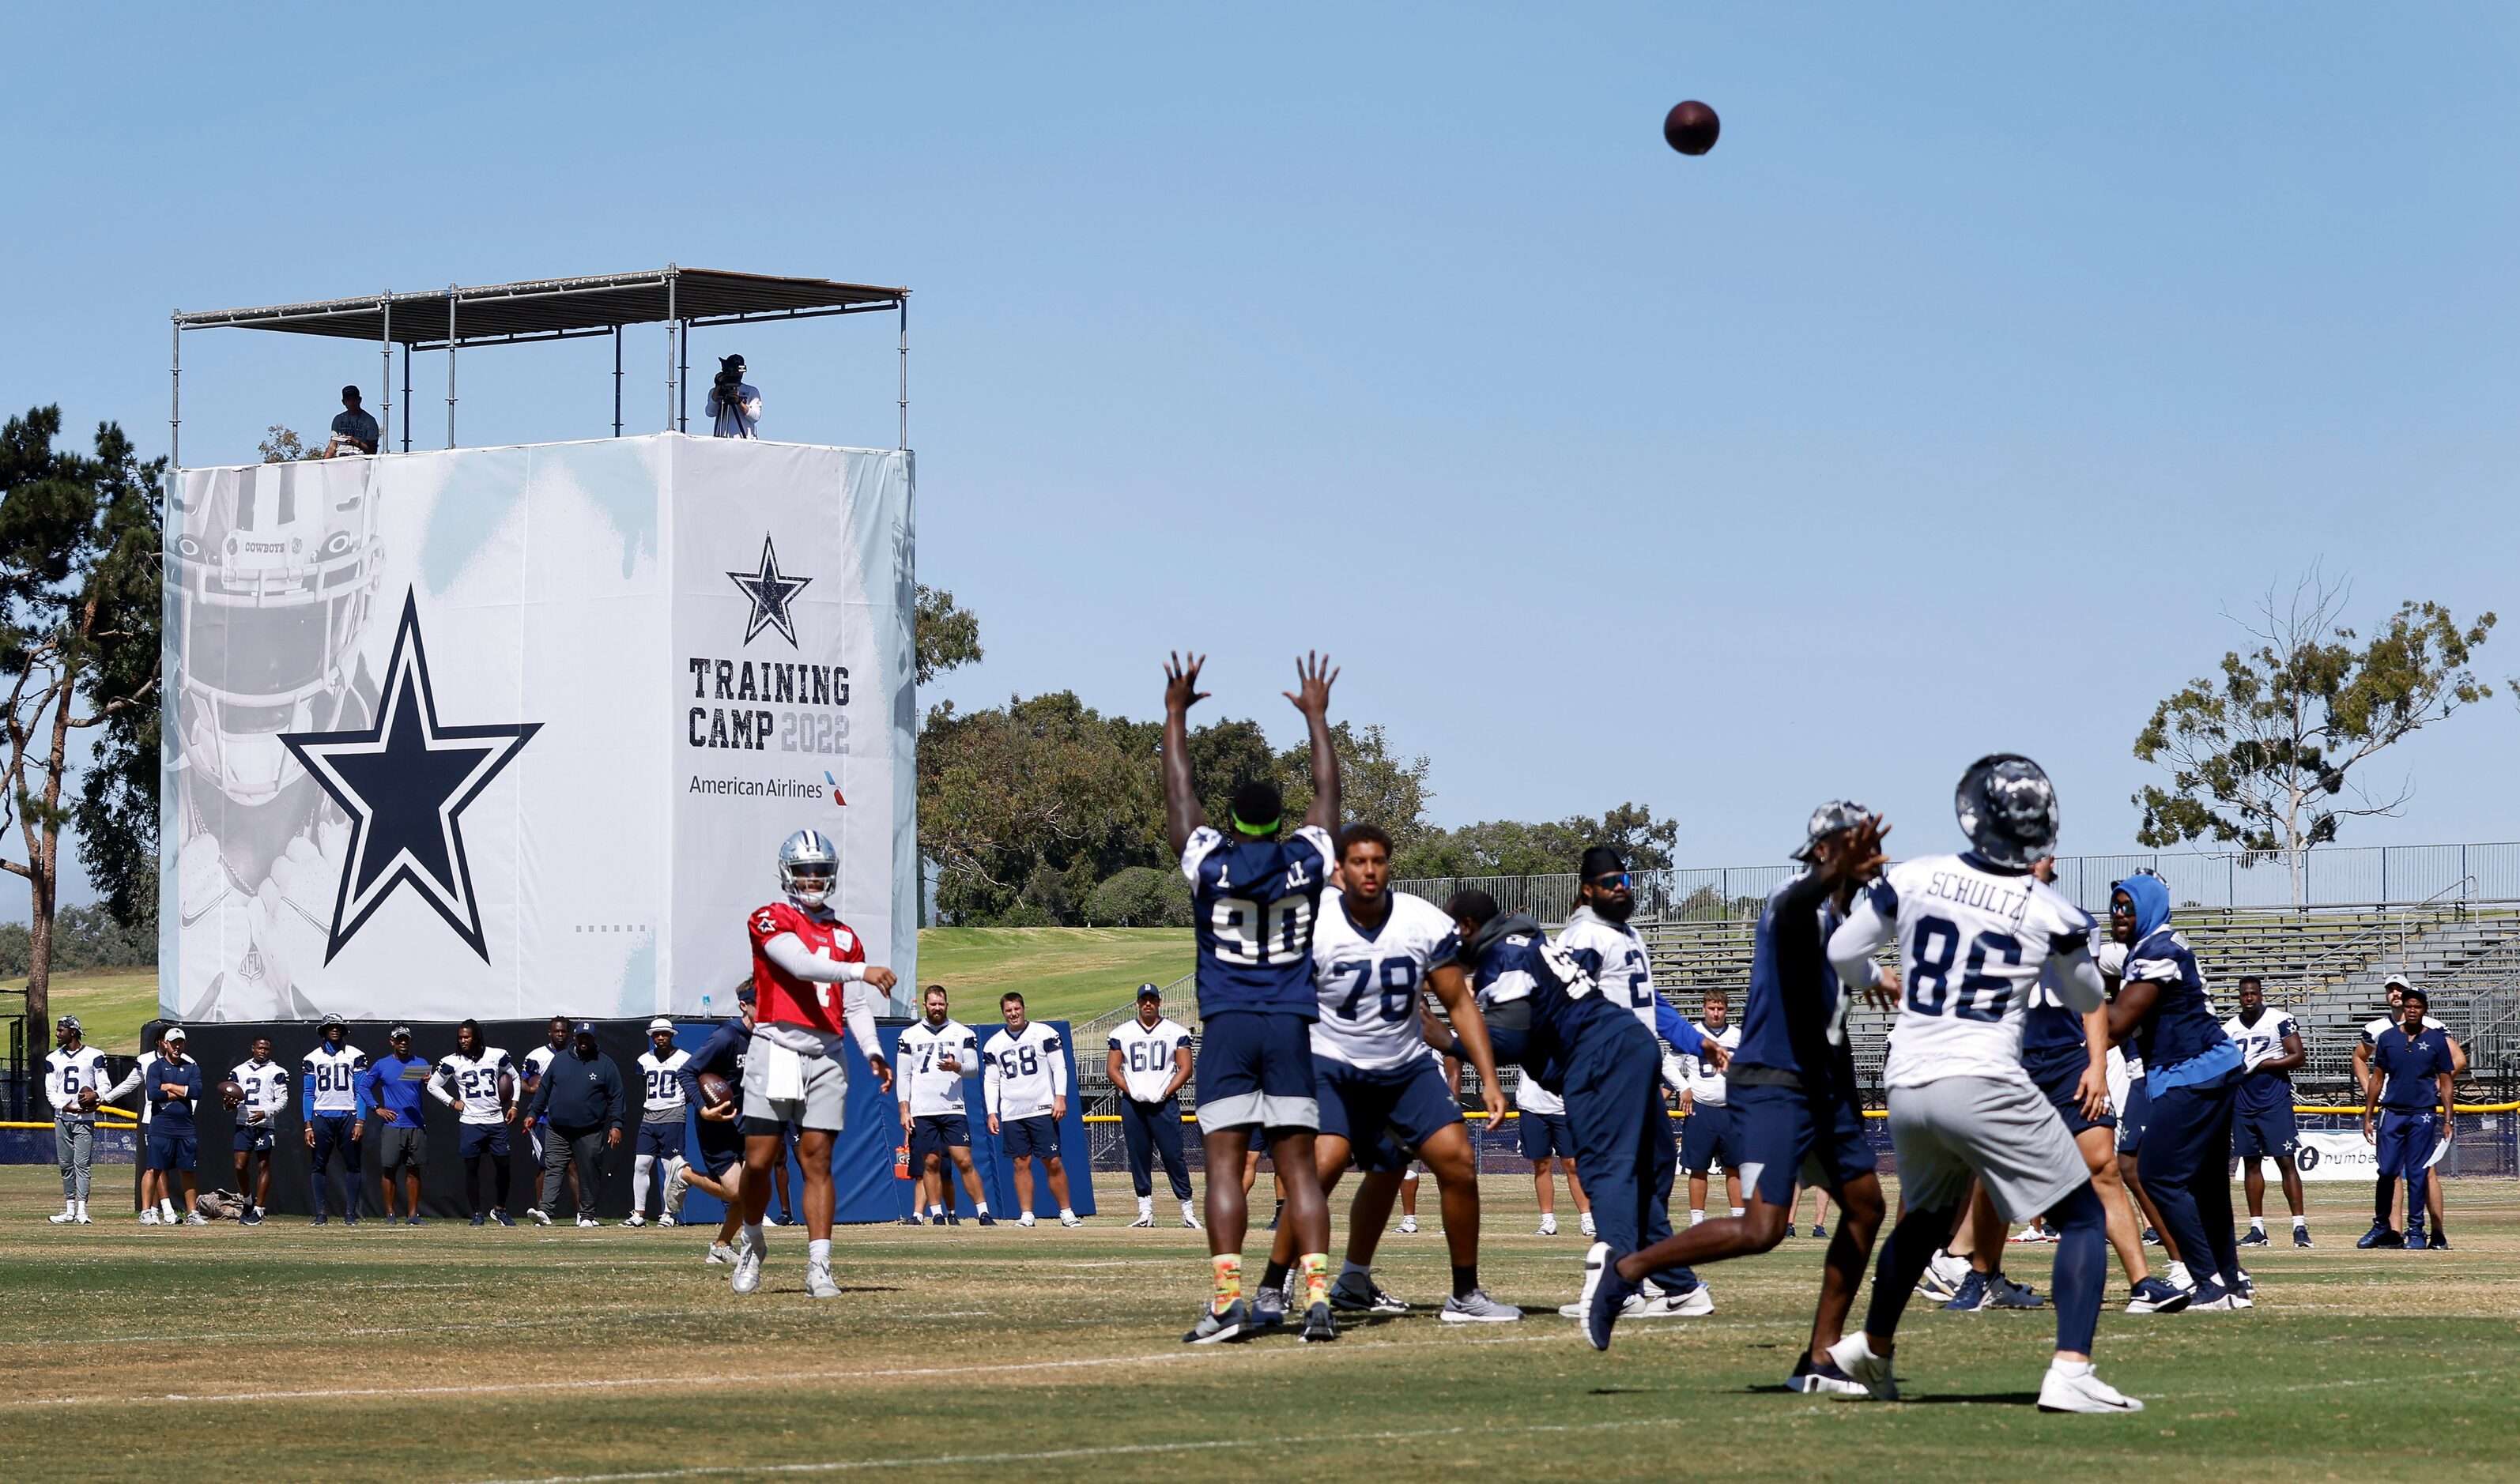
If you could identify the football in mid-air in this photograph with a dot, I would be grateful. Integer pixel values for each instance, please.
(1691, 127)
(232, 1092)
(715, 1089)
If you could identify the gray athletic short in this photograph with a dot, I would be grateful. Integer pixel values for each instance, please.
(826, 1099)
(2005, 1133)
(398, 1145)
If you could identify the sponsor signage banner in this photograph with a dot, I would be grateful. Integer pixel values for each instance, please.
(2336, 1157)
(517, 731)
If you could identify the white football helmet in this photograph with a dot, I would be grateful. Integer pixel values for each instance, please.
(809, 867)
(276, 569)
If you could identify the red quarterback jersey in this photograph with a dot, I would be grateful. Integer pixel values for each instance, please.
(780, 998)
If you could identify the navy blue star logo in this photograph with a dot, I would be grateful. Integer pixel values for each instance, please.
(770, 591)
(405, 784)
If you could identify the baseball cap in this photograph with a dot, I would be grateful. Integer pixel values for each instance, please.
(2414, 993)
(331, 1021)
(2396, 981)
(66, 1022)
(582, 1029)
(662, 1022)
(171, 1033)
(1150, 992)
(1829, 819)
(745, 995)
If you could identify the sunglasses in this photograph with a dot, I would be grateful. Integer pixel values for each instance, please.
(1611, 881)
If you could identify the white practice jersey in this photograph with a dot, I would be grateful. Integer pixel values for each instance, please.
(1702, 1082)
(1020, 1074)
(935, 1091)
(2371, 1028)
(1972, 942)
(1147, 1055)
(2123, 1071)
(67, 1074)
(2263, 1041)
(1371, 986)
(473, 1082)
(332, 1078)
(1530, 1097)
(267, 1091)
(1615, 956)
(662, 1086)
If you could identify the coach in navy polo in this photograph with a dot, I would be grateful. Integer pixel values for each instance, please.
(2411, 1098)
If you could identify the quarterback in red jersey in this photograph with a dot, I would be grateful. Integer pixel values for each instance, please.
(810, 982)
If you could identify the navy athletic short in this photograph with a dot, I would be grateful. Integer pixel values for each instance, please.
(937, 1134)
(254, 1139)
(664, 1140)
(1709, 1136)
(2271, 1133)
(1384, 1116)
(1545, 1135)
(1034, 1138)
(171, 1151)
(472, 1139)
(1256, 1071)
(2133, 1117)
(721, 1144)
(2059, 1079)
(1782, 1147)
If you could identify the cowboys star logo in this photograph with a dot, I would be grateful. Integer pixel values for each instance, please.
(770, 591)
(405, 782)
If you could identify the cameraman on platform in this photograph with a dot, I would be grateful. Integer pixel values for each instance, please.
(733, 402)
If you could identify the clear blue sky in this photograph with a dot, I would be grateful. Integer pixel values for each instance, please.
(1944, 407)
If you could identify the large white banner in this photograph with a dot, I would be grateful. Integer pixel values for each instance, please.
(517, 731)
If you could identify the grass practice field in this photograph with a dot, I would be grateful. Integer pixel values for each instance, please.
(1064, 973)
(451, 1354)
(111, 1004)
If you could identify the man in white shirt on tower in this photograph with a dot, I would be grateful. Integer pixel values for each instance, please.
(1024, 1086)
(936, 1054)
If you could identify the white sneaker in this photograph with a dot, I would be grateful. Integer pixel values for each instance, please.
(542, 1217)
(747, 1266)
(721, 1252)
(1068, 1218)
(1146, 1221)
(678, 1185)
(63, 1217)
(1855, 1357)
(1548, 1225)
(1587, 1224)
(1025, 1220)
(82, 1218)
(818, 1281)
(2086, 1393)
(667, 1221)
(1407, 1223)
(636, 1220)
(588, 1221)
(149, 1218)
(1188, 1219)
(1697, 1303)
(1943, 1277)
(195, 1219)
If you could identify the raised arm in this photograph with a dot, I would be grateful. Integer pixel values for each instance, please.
(1314, 674)
(1182, 811)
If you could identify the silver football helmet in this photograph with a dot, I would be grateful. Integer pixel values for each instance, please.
(2008, 809)
(809, 867)
(275, 569)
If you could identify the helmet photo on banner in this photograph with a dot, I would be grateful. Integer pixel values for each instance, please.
(273, 570)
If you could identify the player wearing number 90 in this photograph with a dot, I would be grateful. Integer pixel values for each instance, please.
(1974, 932)
(1254, 897)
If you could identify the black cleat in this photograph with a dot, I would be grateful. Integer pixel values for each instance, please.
(480, 1220)
(502, 1217)
(987, 1220)
(1319, 1325)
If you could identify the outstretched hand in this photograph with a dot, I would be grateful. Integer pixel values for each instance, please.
(1860, 857)
(1180, 682)
(1314, 674)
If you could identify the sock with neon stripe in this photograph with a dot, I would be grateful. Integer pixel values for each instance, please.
(1229, 1280)
(1316, 1268)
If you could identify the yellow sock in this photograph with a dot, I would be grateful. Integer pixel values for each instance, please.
(1229, 1280)
(1316, 1268)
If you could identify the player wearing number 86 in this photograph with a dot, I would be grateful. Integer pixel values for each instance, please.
(1974, 933)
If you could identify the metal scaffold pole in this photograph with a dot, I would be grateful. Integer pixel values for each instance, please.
(669, 347)
(905, 371)
(175, 399)
(450, 365)
(616, 381)
(385, 351)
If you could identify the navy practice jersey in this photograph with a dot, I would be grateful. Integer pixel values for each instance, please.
(2262, 1091)
(2181, 1024)
(1767, 1011)
(1520, 963)
(2052, 1034)
(1255, 903)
